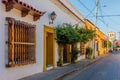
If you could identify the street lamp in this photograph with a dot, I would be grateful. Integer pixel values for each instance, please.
(52, 17)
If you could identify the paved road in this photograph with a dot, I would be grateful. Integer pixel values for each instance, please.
(106, 69)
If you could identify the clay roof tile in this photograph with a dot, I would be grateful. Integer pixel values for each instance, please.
(25, 5)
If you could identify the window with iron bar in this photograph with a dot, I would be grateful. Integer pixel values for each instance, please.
(21, 43)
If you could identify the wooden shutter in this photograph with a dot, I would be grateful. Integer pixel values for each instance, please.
(82, 48)
(21, 43)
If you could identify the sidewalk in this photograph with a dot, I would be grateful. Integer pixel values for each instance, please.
(59, 72)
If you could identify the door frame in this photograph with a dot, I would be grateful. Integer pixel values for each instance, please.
(49, 29)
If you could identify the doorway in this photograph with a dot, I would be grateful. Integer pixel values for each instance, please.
(49, 48)
(67, 53)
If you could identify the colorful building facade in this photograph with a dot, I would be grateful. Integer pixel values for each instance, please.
(99, 38)
(112, 37)
(28, 44)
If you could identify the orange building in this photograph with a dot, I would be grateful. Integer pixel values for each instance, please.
(99, 38)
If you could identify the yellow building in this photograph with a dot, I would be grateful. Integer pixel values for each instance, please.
(99, 38)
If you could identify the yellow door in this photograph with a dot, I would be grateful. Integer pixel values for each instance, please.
(69, 53)
(49, 47)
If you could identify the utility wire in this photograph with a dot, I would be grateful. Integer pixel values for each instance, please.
(114, 15)
(101, 12)
(90, 12)
(93, 13)
(85, 6)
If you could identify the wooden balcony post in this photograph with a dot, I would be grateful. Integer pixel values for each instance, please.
(12, 43)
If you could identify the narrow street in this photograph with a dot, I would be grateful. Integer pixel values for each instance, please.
(106, 69)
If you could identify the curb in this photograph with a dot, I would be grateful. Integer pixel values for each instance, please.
(78, 69)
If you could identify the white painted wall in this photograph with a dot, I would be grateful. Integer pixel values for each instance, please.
(23, 71)
(72, 8)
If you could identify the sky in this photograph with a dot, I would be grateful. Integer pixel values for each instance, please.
(106, 7)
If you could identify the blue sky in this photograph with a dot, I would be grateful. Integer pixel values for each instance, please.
(106, 7)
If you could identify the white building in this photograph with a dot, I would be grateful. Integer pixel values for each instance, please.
(112, 37)
(26, 34)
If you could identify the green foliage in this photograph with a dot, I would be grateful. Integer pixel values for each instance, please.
(105, 44)
(85, 35)
(66, 34)
(60, 62)
(89, 51)
(69, 34)
(109, 44)
(74, 55)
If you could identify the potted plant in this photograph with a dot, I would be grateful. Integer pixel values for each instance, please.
(60, 62)
(74, 55)
(89, 53)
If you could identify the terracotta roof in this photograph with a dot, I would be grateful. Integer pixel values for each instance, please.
(23, 4)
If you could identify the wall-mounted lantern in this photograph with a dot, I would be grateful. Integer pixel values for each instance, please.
(52, 17)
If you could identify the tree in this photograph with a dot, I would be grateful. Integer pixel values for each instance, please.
(69, 34)
(85, 35)
(65, 34)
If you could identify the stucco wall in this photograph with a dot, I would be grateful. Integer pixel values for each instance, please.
(22, 71)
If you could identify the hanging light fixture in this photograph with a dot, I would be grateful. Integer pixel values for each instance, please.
(52, 17)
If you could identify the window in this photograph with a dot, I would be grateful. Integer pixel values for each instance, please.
(21, 43)
(82, 48)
